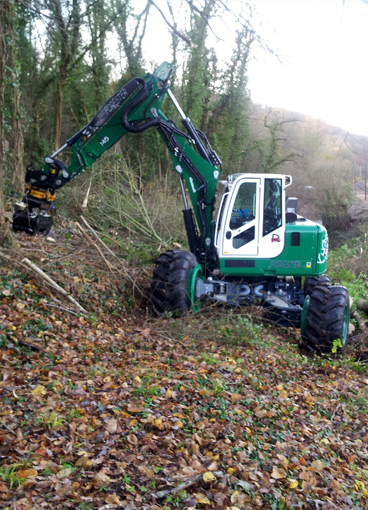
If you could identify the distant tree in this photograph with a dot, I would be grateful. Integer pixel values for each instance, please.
(6, 23)
(66, 18)
(98, 16)
(197, 73)
(131, 29)
(228, 122)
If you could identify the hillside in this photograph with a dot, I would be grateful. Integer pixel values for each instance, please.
(115, 409)
(326, 163)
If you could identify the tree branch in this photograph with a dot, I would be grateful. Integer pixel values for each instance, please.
(172, 28)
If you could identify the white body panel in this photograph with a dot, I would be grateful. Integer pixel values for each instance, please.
(251, 217)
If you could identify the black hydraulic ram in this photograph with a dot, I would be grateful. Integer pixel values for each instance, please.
(191, 130)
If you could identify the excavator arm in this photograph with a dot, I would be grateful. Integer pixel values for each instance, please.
(134, 108)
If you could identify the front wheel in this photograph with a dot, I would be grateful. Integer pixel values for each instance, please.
(327, 318)
(173, 283)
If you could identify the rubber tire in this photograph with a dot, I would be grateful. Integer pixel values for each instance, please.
(169, 287)
(312, 281)
(328, 317)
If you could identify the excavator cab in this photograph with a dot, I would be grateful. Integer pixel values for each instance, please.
(251, 218)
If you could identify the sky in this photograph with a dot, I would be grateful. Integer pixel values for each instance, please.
(323, 51)
(322, 70)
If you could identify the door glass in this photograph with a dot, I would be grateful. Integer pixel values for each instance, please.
(272, 211)
(244, 209)
(244, 237)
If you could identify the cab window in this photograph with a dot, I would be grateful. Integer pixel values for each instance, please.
(272, 208)
(244, 209)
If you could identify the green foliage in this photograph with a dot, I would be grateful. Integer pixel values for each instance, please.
(230, 326)
(347, 266)
(127, 208)
(336, 345)
(10, 475)
(50, 420)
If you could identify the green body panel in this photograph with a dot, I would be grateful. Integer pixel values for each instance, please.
(113, 130)
(94, 147)
(309, 258)
(194, 275)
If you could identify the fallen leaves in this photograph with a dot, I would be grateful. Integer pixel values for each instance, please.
(208, 477)
(278, 473)
(108, 414)
(39, 390)
(112, 426)
(101, 479)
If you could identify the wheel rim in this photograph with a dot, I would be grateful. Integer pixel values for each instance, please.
(345, 326)
(195, 274)
(303, 319)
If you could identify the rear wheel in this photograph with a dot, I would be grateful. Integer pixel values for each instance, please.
(327, 317)
(173, 283)
(312, 281)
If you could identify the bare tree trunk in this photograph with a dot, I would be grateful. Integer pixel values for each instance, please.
(17, 132)
(4, 7)
(69, 32)
(59, 109)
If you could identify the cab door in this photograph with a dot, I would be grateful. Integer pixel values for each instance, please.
(241, 229)
(272, 233)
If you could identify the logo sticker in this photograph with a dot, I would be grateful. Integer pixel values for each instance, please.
(104, 140)
(322, 256)
(275, 238)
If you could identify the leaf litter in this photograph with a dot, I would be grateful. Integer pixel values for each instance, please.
(116, 410)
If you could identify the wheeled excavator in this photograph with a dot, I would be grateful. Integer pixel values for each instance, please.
(253, 247)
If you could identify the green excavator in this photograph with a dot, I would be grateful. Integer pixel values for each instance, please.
(253, 247)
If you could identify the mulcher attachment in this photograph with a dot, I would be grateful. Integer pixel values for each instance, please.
(33, 214)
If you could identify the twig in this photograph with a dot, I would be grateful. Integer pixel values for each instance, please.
(123, 263)
(85, 201)
(335, 411)
(8, 428)
(95, 246)
(23, 342)
(32, 346)
(57, 287)
(13, 260)
(184, 485)
(172, 27)
(61, 308)
(359, 319)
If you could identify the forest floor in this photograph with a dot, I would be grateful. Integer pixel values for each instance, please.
(112, 409)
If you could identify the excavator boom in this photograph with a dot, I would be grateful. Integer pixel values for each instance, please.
(132, 109)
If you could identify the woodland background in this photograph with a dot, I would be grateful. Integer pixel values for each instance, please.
(56, 71)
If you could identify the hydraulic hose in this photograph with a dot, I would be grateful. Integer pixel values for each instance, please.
(141, 97)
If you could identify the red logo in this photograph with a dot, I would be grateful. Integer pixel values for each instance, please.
(275, 238)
